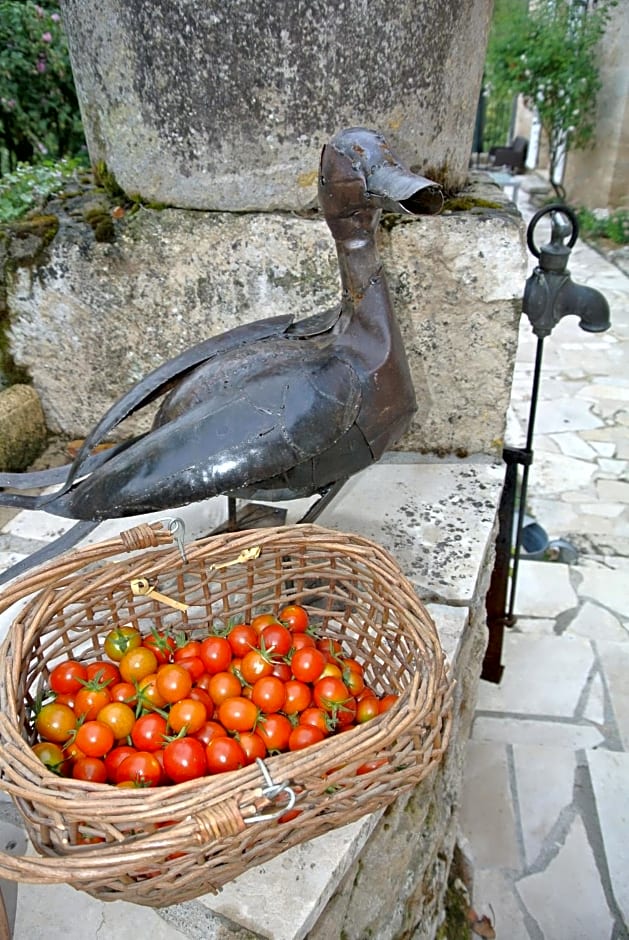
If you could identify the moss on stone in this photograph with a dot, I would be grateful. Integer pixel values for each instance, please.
(43, 227)
(463, 203)
(456, 925)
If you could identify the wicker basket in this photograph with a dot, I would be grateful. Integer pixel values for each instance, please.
(165, 845)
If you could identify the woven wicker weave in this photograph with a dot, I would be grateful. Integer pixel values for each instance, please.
(168, 844)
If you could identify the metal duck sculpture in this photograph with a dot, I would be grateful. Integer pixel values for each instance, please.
(279, 408)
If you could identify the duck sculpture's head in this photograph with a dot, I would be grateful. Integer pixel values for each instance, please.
(360, 175)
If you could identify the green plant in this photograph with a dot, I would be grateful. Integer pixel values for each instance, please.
(614, 226)
(548, 53)
(29, 186)
(39, 113)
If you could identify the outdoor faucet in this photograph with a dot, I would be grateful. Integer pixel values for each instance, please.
(550, 293)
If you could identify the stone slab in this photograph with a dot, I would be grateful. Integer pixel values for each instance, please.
(525, 730)
(614, 658)
(543, 589)
(544, 784)
(487, 814)
(609, 773)
(494, 897)
(173, 278)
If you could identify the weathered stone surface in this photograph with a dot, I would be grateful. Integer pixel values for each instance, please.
(92, 320)
(22, 427)
(226, 106)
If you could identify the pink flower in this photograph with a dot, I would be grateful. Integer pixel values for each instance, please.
(55, 17)
(47, 37)
(41, 66)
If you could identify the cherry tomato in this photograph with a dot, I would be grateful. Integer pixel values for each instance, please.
(370, 765)
(263, 620)
(184, 759)
(149, 732)
(330, 693)
(295, 618)
(331, 669)
(298, 696)
(114, 758)
(137, 663)
(68, 677)
(120, 718)
(90, 699)
(53, 757)
(303, 736)
(90, 768)
(254, 666)
(307, 664)
(216, 654)
(141, 768)
(106, 673)
(387, 702)
(162, 644)
(302, 639)
(94, 738)
(223, 685)
(242, 638)
(281, 671)
(345, 713)
(238, 714)
(187, 713)
(189, 648)
(353, 680)
(120, 640)
(275, 731)
(269, 694)
(252, 745)
(148, 695)
(72, 752)
(331, 648)
(66, 698)
(210, 730)
(224, 753)
(200, 695)
(194, 665)
(55, 722)
(367, 708)
(173, 682)
(124, 692)
(317, 717)
(276, 639)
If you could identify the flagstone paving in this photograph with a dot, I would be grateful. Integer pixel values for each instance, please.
(546, 802)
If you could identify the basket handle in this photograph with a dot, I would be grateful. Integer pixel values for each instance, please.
(145, 535)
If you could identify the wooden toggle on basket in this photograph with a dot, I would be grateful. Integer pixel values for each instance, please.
(169, 844)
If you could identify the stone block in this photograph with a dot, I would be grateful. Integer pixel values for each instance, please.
(22, 427)
(226, 106)
(94, 318)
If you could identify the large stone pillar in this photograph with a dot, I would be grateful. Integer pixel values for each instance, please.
(214, 105)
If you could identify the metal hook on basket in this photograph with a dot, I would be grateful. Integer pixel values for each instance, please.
(177, 529)
(271, 792)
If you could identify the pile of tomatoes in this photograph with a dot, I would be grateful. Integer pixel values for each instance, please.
(158, 709)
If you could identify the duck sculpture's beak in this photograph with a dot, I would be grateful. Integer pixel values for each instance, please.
(392, 187)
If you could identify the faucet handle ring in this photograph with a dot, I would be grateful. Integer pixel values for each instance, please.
(560, 228)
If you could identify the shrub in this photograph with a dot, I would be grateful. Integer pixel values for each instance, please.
(39, 113)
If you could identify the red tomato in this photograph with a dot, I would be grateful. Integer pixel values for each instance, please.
(238, 714)
(94, 738)
(332, 669)
(123, 692)
(353, 680)
(173, 682)
(223, 685)
(216, 654)
(120, 640)
(137, 663)
(200, 695)
(307, 664)
(120, 718)
(114, 758)
(345, 713)
(295, 618)
(68, 677)
(370, 765)
(387, 702)
(317, 717)
(252, 745)
(210, 730)
(187, 714)
(224, 753)
(242, 638)
(141, 768)
(298, 696)
(330, 693)
(104, 672)
(190, 648)
(331, 648)
(90, 768)
(303, 736)
(55, 722)
(90, 699)
(254, 665)
(302, 639)
(281, 671)
(148, 695)
(263, 620)
(149, 732)
(162, 644)
(276, 639)
(269, 694)
(275, 731)
(184, 759)
(193, 665)
(66, 698)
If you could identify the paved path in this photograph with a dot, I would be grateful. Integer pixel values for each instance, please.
(546, 805)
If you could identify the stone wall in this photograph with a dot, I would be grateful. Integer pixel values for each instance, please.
(226, 106)
(89, 318)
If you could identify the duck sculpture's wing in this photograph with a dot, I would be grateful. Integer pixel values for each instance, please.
(156, 383)
(259, 422)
